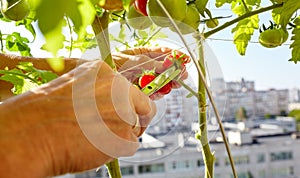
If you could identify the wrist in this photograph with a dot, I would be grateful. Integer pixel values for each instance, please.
(22, 154)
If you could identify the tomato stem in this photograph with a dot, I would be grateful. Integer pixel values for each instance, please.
(100, 28)
(246, 15)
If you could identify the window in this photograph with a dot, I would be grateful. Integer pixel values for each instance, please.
(243, 159)
(260, 158)
(187, 163)
(282, 172)
(200, 163)
(128, 170)
(151, 168)
(284, 155)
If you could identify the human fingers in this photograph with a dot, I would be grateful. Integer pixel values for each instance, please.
(144, 107)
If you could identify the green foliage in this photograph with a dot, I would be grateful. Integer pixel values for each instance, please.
(16, 43)
(25, 77)
(201, 6)
(81, 13)
(288, 9)
(295, 46)
(243, 32)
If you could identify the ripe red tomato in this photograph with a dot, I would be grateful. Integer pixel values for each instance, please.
(145, 79)
(140, 6)
(165, 89)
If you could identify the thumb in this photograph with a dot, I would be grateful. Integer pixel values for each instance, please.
(143, 105)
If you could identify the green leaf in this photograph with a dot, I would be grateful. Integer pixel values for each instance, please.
(28, 25)
(239, 9)
(295, 46)
(126, 4)
(243, 32)
(16, 77)
(143, 34)
(201, 6)
(220, 3)
(41, 76)
(288, 9)
(16, 43)
(25, 77)
(122, 34)
(57, 63)
(276, 15)
(81, 12)
(253, 2)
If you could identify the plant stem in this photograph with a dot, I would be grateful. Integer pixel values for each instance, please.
(248, 14)
(71, 36)
(208, 156)
(100, 28)
(114, 169)
(18, 74)
(1, 42)
(200, 67)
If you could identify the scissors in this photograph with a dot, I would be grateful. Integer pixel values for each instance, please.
(161, 80)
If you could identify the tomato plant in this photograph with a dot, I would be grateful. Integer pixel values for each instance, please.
(78, 15)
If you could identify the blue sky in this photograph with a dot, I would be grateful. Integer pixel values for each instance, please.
(269, 68)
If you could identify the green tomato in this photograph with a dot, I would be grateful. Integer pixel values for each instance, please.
(272, 38)
(137, 20)
(190, 23)
(212, 23)
(14, 9)
(176, 8)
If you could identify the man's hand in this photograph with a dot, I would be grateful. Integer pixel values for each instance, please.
(77, 122)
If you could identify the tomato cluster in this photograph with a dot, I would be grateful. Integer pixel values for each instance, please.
(273, 36)
(149, 75)
(186, 16)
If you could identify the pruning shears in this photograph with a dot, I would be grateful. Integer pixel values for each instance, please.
(161, 80)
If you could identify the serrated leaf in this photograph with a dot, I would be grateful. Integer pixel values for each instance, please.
(243, 32)
(295, 46)
(16, 43)
(288, 9)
